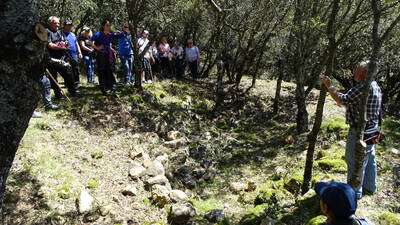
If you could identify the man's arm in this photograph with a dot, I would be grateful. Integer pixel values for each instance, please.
(350, 97)
(79, 49)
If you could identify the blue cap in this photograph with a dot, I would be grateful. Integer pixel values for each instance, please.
(340, 198)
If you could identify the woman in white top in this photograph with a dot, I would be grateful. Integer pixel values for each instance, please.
(192, 55)
(178, 55)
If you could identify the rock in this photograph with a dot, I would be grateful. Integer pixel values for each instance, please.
(137, 171)
(134, 154)
(251, 186)
(146, 160)
(150, 137)
(215, 216)
(85, 202)
(342, 143)
(156, 168)
(90, 217)
(268, 221)
(160, 180)
(129, 190)
(175, 143)
(178, 196)
(181, 214)
(162, 158)
(396, 172)
(237, 187)
(395, 151)
(160, 195)
(174, 135)
(105, 210)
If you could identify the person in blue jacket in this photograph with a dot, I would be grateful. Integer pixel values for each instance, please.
(125, 51)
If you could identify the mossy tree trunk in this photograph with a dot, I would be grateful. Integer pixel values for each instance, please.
(20, 58)
(377, 41)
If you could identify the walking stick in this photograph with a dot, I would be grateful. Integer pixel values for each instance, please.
(58, 86)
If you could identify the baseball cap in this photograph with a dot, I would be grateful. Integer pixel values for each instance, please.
(340, 198)
(67, 22)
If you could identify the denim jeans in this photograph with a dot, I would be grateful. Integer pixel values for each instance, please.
(127, 66)
(46, 90)
(89, 65)
(368, 173)
(194, 69)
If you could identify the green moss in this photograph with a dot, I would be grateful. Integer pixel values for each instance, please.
(293, 183)
(333, 165)
(64, 191)
(389, 218)
(254, 215)
(335, 125)
(97, 154)
(319, 220)
(43, 125)
(204, 206)
(93, 184)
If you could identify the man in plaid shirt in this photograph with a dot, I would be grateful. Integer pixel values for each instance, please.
(351, 101)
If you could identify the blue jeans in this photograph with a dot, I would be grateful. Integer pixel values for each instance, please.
(127, 66)
(368, 173)
(46, 90)
(88, 60)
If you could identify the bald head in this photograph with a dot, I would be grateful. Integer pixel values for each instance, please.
(361, 71)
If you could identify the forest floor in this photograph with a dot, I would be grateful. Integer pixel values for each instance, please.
(243, 165)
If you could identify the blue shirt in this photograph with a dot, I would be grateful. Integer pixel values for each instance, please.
(72, 45)
(125, 44)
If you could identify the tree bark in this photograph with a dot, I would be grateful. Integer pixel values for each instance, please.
(278, 87)
(20, 57)
(313, 135)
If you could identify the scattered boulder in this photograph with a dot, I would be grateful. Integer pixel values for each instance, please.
(134, 154)
(342, 143)
(129, 190)
(160, 195)
(215, 216)
(395, 151)
(146, 160)
(85, 202)
(105, 210)
(175, 143)
(160, 180)
(156, 168)
(251, 186)
(268, 221)
(178, 196)
(162, 158)
(181, 214)
(174, 135)
(137, 171)
(237, 187)
(293, 185)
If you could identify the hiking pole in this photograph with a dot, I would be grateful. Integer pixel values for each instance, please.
(58, 86)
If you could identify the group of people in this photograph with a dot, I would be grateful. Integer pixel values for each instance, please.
(99, 53)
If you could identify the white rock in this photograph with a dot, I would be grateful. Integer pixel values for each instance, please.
(160, 180)
(181, 213)
(395, 151)
(160, 195)
(129, 190)
(85, 202)
(237, 187)
(136, 172)
(175, 143)
(342, 143)
(155, 168)
(178, 196)
(162, 158)
(174, 135)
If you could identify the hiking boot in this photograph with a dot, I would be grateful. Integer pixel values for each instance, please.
(51, 107)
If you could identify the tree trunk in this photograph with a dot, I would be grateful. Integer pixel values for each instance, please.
(20, 57)
(355, 180)
(278, 87)
(312, 137)
(302, 114)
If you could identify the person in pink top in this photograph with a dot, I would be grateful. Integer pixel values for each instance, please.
(164, 52)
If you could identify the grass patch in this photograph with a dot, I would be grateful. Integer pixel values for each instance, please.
(333, 165)
(389, 218)
(204, 206)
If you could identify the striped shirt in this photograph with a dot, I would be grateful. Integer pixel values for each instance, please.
(352, 99)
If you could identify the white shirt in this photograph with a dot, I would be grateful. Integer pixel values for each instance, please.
(192, 54)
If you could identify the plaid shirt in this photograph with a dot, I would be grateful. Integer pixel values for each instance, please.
(352, 99)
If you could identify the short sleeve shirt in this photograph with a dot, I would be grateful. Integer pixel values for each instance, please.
(55, 37)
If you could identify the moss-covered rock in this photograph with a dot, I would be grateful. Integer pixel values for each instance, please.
(336, 126)
(293, 184)
(319, 220)
(254, 216)
(389, 218)
(204, 206)
(333, 165)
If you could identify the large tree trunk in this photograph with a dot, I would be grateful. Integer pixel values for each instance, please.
(278, 87)
(20, 56)
(312, 137)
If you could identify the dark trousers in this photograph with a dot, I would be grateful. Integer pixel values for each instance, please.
(194, 69)
(179, 68)
(46, 90)
(63, 68)
(105, 73)
(75, 71)
(166, 70)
